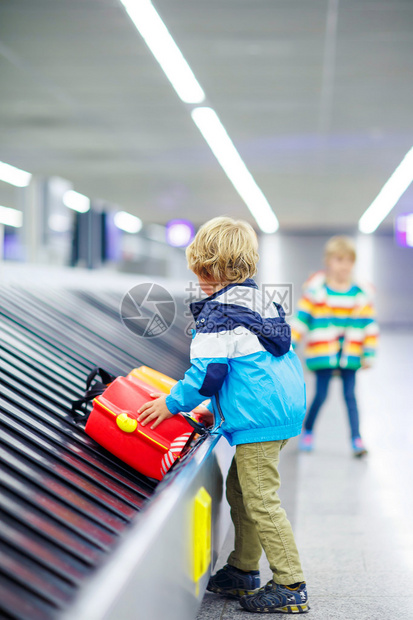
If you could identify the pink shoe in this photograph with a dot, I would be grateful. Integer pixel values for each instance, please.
(359, 449)
(306, 441)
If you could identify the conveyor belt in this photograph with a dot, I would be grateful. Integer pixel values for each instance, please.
(64, 501)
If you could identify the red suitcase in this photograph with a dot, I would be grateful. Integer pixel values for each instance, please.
(113, 424)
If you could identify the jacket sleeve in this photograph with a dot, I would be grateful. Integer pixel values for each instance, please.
(209, 368)
(371, 332)
(301, 322)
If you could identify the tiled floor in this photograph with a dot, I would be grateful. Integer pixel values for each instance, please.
(353, 518)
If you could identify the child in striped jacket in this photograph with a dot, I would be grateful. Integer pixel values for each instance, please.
(337, 318)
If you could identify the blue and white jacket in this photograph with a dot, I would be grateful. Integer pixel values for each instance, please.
(241, 351)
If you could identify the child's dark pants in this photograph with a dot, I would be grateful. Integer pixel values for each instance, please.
(323, 380)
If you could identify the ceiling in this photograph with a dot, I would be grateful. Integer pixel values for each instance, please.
(317, 96)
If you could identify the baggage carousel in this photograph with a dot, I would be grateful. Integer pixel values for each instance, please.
(82, 535)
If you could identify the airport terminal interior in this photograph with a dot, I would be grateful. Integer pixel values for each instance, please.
(125, 125)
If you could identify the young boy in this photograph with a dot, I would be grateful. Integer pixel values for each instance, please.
(241, 358)
(338, 318)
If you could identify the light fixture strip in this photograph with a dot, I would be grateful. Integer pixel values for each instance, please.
(77, 202)
(11, 217)
(14, 176)
(127, 222)
(227, 155)
(388, 196)
(157, 37)
(167, 53)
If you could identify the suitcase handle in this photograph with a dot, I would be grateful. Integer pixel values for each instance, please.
(104, 375)
(197, 426)
(200, 428)
(79, 409)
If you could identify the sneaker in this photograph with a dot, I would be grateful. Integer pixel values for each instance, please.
(274, 598)
(233, 582)
(306, 441)
(359, 449)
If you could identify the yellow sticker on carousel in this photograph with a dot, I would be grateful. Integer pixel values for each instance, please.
(201, 535)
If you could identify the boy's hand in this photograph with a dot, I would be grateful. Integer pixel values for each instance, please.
(365, 364)
(154, 410)
(206, 416)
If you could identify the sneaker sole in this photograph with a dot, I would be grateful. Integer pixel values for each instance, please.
(235, 593)
(294, 609)
(288, 609)
(360, 454)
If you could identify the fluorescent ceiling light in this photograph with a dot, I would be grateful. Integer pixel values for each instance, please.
(221, 145)
(14, 176)
(388, 196)
(11, 217)
(127, 222)
(77, 202)
(163, 47)
(178, 72)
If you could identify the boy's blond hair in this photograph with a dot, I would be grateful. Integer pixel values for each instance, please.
(224, 250)
(340, 246)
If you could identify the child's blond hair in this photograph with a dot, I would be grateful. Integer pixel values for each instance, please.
(340, 246)
(224, 250)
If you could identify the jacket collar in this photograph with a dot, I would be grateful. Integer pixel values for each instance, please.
(196, 307)
(315, 288)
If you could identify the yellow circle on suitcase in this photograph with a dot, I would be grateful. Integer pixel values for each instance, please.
(125, 423)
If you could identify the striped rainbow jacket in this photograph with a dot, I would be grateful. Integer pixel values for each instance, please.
(241, 357)
(351, 319)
